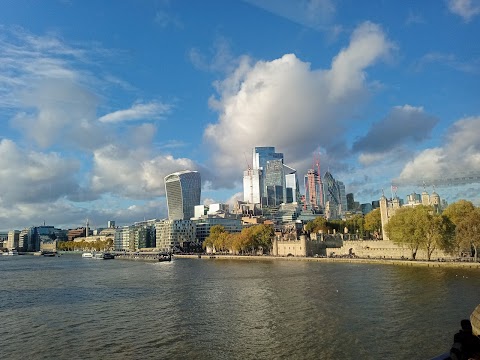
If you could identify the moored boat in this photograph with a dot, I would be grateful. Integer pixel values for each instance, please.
(87, 255)
(11, 253)
(164, 257)
(108, 256)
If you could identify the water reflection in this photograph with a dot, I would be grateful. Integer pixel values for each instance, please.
(207, 309)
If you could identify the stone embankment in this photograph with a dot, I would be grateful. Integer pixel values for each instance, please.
(445, 264)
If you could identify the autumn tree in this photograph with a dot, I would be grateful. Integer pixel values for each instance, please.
(438, 230)
(457, 211)
(402, 229)
(317, 224)
(373, 221)
(217, 238)
(468, 232)
(356, 225)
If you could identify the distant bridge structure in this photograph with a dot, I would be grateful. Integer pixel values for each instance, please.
(455, 180)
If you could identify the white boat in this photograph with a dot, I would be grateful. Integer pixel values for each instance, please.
(87, 255)
(98, 256)
(11, 253)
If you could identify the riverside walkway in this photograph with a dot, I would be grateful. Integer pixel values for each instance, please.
(451, 264)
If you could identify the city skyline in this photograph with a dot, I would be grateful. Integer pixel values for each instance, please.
(100, 101)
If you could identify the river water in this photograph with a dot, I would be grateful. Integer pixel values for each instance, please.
(73, 308)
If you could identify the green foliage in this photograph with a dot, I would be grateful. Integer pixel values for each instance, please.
(457, 211)
(355, 225)
(317, 224)
(468, 232)
(373, 221)
(97, 245)
(420, 227)
(251, 239)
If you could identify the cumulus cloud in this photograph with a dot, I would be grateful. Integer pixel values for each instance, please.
(133, 173)
(46, 90)
(458, 157)
(467, 9)
(59, 111)
(34, 177)
(139, 111)
(404, 124)
(286, 103)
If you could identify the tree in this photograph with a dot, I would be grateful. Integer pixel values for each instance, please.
(468, 232)
(457, 211)
(216, 238)
(356, 225)
(317, 224)
(402, 229)
(373, 221)
(438, 229)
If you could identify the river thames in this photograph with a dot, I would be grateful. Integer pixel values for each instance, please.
(72, 308)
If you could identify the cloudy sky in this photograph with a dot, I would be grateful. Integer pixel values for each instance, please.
(99, 100)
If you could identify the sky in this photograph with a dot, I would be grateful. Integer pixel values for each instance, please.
(100, 100)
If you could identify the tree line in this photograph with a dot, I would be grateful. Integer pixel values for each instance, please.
(456, 230)
(250, 240)
(369, 226)
(97, 245)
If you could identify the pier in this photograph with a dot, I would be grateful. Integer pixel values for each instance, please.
(144, 256)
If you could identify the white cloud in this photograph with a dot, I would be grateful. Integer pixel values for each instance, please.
(467, 9)
(287, 104)
(34, 177)
(139, 111)
(59, 112)
(460, 155)
(46, 90)
(133, 173)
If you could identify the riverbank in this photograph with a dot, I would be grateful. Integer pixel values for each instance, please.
(450, 264)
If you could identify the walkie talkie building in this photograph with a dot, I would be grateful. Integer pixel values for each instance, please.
(183, 191)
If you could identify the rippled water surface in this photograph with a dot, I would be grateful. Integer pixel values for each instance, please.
(74, 308)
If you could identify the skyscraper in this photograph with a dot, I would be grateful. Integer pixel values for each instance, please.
(262, 154)
(313, 193)
(275, 189)
(334, 191)
(291, 183)
(183, 191)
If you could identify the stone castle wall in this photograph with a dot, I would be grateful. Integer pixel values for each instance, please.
(382, 249)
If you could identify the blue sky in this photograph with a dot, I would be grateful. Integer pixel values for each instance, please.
(99, 100)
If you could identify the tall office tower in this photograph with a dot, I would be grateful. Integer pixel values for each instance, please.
(272, 181)
(313, 193)
(343, 197)
(252, 185)
(183, 191)
(291, 184)
(275, 189)
(262, 154)
(351, 202)
(335, 192)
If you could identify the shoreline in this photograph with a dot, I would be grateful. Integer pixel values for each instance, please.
(421, 263)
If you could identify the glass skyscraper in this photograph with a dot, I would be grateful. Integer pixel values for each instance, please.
(183, 191)
(270, 182)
